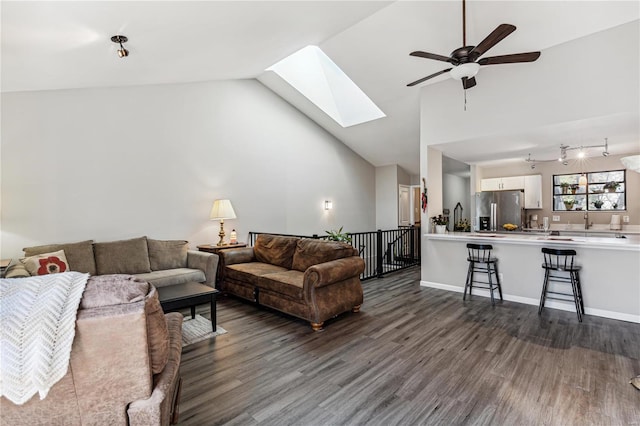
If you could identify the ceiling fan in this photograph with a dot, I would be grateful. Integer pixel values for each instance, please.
(465, 59)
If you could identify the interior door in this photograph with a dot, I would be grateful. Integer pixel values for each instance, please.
(404, 201)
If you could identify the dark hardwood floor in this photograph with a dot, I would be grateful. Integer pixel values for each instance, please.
(413, 356)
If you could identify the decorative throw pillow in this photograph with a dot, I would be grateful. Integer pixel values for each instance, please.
(16, 269)
(79, 255)
(46, 263)
(169, 254)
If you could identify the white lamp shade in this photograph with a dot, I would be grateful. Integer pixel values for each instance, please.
(222, 209)
(632, 163)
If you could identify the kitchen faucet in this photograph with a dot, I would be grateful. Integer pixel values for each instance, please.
(586, 220)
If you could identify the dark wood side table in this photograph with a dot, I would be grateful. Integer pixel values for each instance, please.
(216, 249)
(188, 295)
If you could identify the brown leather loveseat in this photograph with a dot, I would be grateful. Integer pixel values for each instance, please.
(311, 279)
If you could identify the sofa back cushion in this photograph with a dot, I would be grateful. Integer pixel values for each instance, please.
(122, 257)
(170, 254)
(275, 250)
(311, 252)
(79, 255)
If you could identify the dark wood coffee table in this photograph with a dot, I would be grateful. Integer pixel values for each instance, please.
(188, 295)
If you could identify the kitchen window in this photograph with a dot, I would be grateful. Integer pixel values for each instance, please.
(603, 191)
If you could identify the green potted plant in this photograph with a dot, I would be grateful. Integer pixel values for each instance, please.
(463, 225)
(574, 188)
(338, 236)
(598, 203)
(565, 187)
(440, 223)
(569, 202)
(611, 186)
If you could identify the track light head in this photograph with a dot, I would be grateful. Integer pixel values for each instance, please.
(122, 52)
(533, 166)
(605, 153)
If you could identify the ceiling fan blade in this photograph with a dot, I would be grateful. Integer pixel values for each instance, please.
(510, 59)
(430, 56)
(491, 40)
(468, 83)
(428, 77)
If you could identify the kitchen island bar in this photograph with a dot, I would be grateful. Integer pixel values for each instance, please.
(610, 273)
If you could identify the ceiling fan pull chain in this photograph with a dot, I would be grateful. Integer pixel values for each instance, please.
(465, 99)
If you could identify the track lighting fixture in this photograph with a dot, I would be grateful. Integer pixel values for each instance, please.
(122, 52)
(563, 153)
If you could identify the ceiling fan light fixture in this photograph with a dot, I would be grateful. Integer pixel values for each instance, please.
(470, 69)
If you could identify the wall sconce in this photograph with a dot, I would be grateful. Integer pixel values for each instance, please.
(122, 52)
(328, 205)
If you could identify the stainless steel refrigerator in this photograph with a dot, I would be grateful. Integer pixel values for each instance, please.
(495, 208)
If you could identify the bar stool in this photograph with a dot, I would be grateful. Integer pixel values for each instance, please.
(559, 267)
(480, 260)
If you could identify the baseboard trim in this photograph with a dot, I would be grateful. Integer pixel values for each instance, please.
(553, 304)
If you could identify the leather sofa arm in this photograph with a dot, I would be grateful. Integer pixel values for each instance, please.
(239, 255)
(206, 262)
(332, 272)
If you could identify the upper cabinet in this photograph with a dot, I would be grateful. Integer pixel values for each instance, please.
(533, 192)
(531, 184)
(502, 184)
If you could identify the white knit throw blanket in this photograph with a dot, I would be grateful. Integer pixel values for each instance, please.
(38, 317)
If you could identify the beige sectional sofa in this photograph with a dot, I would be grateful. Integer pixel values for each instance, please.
(158, 262)
(311, 279)
(124, 365)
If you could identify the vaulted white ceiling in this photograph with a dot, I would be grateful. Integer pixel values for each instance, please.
(59, 44)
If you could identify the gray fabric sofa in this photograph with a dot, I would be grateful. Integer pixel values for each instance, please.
(159, 262)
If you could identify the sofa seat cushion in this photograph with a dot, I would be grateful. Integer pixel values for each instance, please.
(247, 272)
(289, 283)
(275, 250)
(172, 276)
(311, 252)
(79, 255)
(122, 257)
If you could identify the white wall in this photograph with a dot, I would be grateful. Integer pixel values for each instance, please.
(455, 190)
(387, 197)
(106, 164)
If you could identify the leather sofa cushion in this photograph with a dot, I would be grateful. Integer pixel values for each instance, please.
(248, 272)
(289, 283)
(275, 250)
(79, 255)
(311, 252)
(169, 254)
(172, 276)
(122, 257)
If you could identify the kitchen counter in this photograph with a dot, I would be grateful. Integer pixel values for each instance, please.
(631, 242)
(610, 272)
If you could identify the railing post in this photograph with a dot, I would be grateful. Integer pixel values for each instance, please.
(412, 242)
(379, 253)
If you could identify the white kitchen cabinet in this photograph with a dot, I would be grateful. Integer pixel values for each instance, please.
(533, 192)
(502, 184)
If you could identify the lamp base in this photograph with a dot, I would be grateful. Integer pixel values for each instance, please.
(221, 233)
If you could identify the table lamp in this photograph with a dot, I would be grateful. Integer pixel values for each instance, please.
(222, 210)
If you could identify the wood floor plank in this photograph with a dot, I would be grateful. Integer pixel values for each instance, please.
(412, 355)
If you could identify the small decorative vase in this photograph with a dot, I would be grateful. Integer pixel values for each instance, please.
(441, 229)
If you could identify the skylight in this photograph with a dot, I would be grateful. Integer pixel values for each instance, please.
(312, 73)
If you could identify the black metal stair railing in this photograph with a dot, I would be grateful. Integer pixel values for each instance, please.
(383, 251)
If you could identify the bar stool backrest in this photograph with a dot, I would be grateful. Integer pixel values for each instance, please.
(479, 252)
(559, 259)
